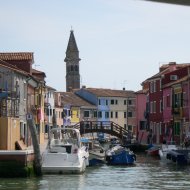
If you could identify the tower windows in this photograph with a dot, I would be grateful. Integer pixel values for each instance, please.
(76, 68)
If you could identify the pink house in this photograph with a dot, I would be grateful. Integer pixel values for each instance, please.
(166, 133)
(141, 121)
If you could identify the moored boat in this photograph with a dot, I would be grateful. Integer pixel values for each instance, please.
(119, 155)
(179, 156)
(96, 152)
(153, 151)
(64, 152)
(166, 148)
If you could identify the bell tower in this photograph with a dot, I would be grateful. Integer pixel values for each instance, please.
(72, 64)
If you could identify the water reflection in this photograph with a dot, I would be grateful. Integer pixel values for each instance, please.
(148, 173)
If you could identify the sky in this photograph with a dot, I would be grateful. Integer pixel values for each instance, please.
(121, 42)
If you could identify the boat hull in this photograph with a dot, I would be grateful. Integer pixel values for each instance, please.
(121, 159)
(153, 151)
(60, 163)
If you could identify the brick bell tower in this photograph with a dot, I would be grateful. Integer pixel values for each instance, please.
(72, 64)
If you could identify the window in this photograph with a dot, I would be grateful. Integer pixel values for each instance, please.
(106, 102)
(99, 114)
(111, 114)
(154, 106)
(130, 128)
(173, 77)
(168, 100)
(116, 102)
(176, 128)
(125, 115)
(99, 102)
(112, 102)
(177, 100)
(95, 114)
(130, 114)
(125, 102)
(25, 91)
(184, 99)
(116, 114)
(71, 114)
(125, 126)
(65, 112)
(142, 125)
(76, 68)
(86, 113)
(151, 107)
(161, 106)
(129, 102)
(151, 87)
(154, 86)
(106, 114)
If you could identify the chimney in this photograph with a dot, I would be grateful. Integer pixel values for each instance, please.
(123, 88)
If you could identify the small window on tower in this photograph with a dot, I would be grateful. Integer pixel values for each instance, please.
(76, 68)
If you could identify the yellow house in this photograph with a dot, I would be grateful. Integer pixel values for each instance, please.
(39, 116)
(75, 113)
(9, 132)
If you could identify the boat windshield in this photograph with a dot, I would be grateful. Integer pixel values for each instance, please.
(61, 137)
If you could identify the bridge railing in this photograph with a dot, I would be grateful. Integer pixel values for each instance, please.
(105, 127)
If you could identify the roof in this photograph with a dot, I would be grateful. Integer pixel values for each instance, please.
(50, 88)
(38, 73)
(17, 56)
(185, 78)
(72, 45)
(74, 100)
(143, 91)
(12, 67)
(165, 68)
(100, 92)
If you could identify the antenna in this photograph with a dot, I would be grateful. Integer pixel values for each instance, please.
(36, 65)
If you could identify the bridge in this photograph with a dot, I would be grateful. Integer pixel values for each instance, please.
(108, 127)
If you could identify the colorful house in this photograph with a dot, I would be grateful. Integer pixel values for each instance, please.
(76, 109)
(112, 105)
(160, 119)
(175, 107)
(58, 109)
(23, 61)
(49, 107)
(141, 117)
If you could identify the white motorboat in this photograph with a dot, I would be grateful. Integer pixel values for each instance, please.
(166, 148)
(64, 152)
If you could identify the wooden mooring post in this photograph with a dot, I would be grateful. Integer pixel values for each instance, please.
(37, 155)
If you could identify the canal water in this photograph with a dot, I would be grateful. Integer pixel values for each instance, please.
(147, 173)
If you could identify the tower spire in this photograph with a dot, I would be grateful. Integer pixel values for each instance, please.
(72, 64)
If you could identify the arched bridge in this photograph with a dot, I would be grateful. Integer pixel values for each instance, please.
(108, 127)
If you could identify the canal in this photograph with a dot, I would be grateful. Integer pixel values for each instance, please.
(148, 173)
